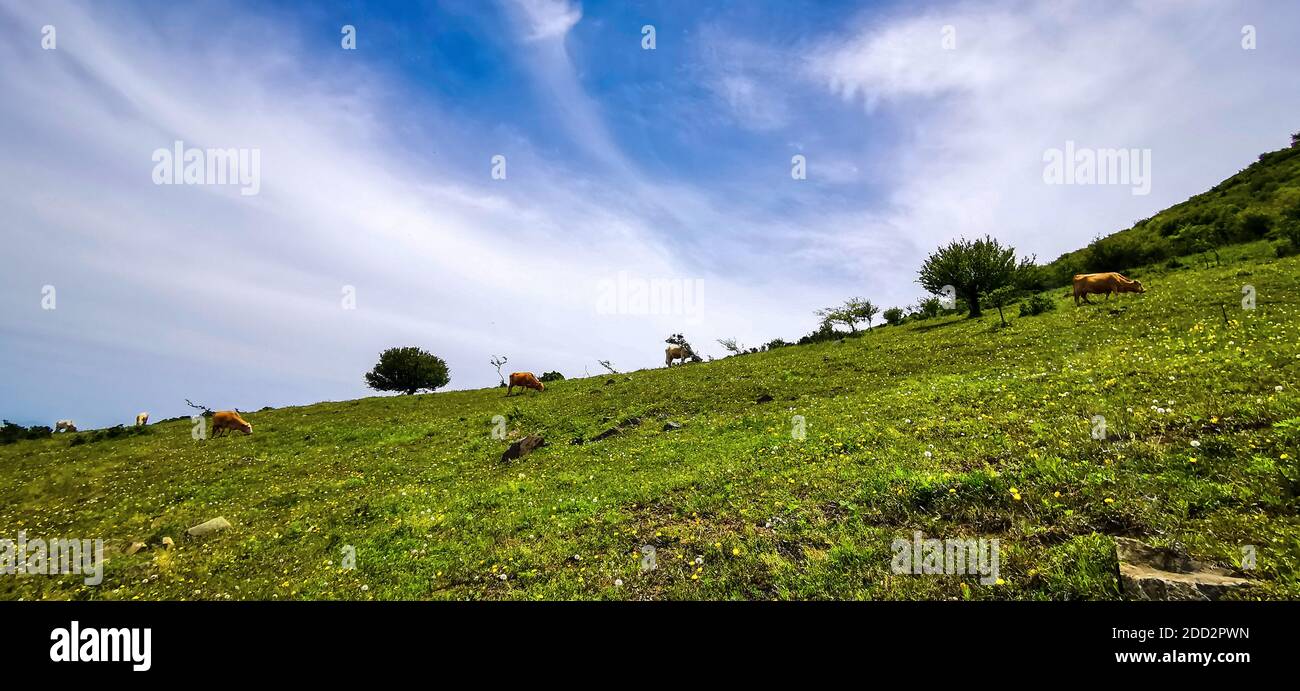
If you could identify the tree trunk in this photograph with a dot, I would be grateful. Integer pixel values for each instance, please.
(974, 302)
(1000, 317)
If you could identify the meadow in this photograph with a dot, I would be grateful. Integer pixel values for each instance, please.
(950, 426)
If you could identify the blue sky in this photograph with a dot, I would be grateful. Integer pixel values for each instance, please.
(671, 164)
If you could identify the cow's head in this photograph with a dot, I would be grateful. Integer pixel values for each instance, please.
(246, 428)
(1137, 287)
(541, 386)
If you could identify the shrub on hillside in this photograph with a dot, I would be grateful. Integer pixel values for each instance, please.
(893, 316)
(12, 432)
(1254, 225)
(929, 308)
(1036, 304)
(824, 332)
(548, 377)
(1120, 252)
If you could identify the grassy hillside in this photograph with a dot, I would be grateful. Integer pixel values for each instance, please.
(950, 426)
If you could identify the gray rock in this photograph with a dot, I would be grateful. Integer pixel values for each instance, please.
(1157, 573)
(523, 447)
(215, 525)
(670, 426)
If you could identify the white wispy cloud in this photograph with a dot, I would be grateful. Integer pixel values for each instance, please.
(243, 294)
(1024, 77)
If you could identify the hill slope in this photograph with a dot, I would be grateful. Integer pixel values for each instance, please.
(951, 427)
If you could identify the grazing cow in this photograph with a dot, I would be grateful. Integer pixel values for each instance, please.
(227, 420)
(677, 352)
(524, 380)
(65, 426)
(142, 419)
(1109, 282)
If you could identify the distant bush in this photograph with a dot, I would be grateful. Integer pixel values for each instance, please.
(775, 343)
(551, 376)
(115, 432)
(1036, 304)
(1119, 252)
(11, 432)
(1254, 225)
(929, 308)
(1289, 229)
(826, 332)
(893, 316)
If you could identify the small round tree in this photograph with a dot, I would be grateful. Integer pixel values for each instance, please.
(972, 267)
(408, 370)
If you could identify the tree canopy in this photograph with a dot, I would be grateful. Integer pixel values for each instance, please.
(408, 370)
(971, 267)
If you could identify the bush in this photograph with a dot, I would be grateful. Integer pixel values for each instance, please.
(11, 432)
(1120, 252)
(1036, 304)
(893, 316)
(825, 332)
(929, 308)
(1255, 225)
(408, 370)
(551, 376)
(115, 432)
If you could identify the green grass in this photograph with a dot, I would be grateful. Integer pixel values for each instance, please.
(415, 483)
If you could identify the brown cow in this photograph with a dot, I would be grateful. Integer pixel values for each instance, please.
(677, 352)
(227, 420)
(524, 380)
(1109, 282)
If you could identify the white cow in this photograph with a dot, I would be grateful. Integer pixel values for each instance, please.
(142, 419)
(65, 426)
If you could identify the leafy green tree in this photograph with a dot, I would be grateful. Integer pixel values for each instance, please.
(893, 316)
(1002, 297)
(548, 377)
(408, 370)
(853, 311)
(972, 267)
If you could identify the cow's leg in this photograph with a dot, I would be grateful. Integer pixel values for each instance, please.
(509, 388)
